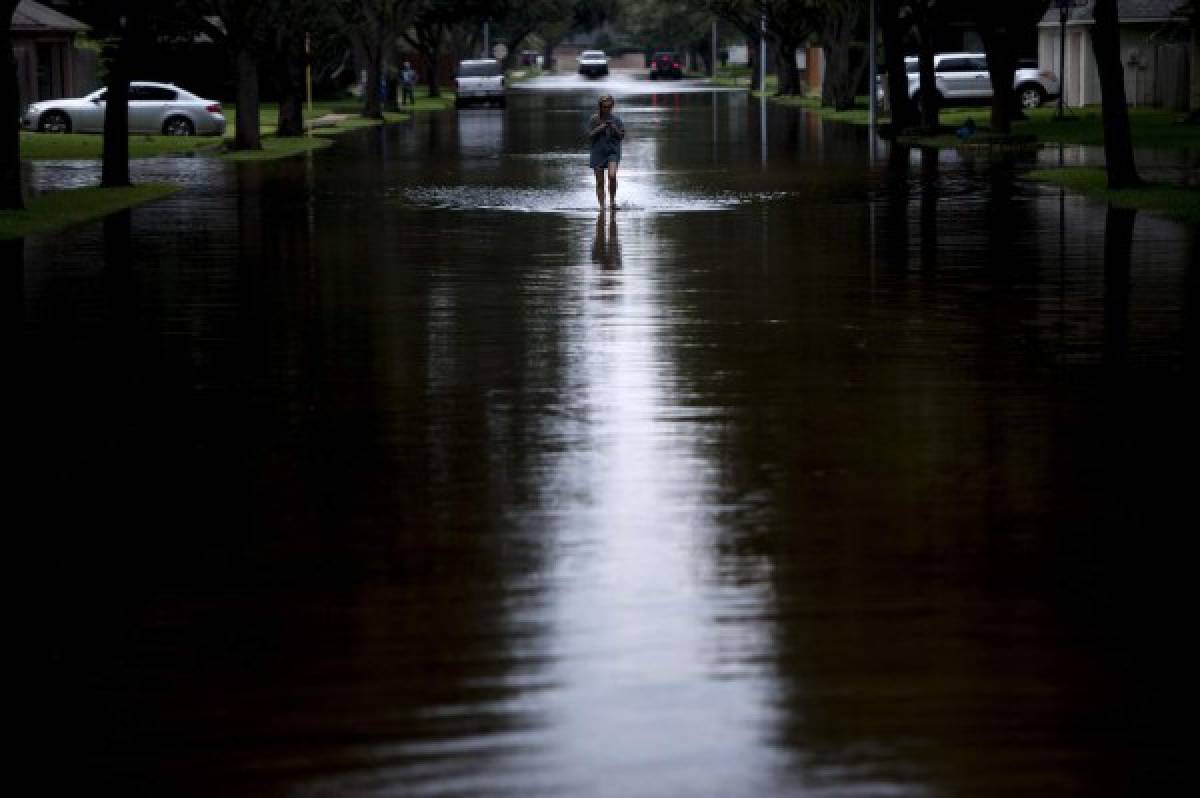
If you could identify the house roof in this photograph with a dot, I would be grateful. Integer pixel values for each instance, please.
(1127, 11)
(31, 17)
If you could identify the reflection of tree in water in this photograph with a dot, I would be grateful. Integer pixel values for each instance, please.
(919, 507)
(316, 560)
(606, 246)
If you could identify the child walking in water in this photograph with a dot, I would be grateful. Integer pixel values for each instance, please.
(605, 130)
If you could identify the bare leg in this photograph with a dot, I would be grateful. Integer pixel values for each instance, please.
(600, 187)
(612, 183)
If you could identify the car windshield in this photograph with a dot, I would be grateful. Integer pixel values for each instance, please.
(592, 54)
(478, 69)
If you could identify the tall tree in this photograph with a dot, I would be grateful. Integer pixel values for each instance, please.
(926, 18)
(840, 22)
(789, 25)
(295, 22)
(114, 169)
(373, 27)
(666, 24)
(744, 16)
(1191, 9)
(244, 28)
(895, 25)
(10, 98)
(519, 20)
(999, 25)
(1118, 137)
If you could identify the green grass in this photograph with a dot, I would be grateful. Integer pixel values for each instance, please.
(88, 146)
(59, 209)
(274, 148)
(1153, 128)
(1174, 201)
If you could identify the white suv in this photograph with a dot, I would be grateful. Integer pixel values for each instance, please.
(593, 63)
(479, 81)
(965, 76)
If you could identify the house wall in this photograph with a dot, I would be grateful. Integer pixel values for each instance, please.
(1152, 68)
(49, 67)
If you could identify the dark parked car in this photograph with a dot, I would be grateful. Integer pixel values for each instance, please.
(665, 65)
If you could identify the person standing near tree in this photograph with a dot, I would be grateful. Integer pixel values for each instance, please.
(408, 83)
(605, 132)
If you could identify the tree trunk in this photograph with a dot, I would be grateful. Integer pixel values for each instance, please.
(785, 65)
(114, 170)
(752, 47)
(249, 134)
(373, 53)
(1194, 104)
(10, 98)
(1002, 64)
(1118, 138)
(435, 56)
(894, 31)
(291, 88)
(927, 96)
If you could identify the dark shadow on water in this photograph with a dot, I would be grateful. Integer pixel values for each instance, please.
(930, 188)
(1118, 246)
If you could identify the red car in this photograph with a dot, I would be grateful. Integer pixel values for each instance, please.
(665, 65)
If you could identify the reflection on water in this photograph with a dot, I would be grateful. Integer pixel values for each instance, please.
(865, 481)
(606, 248)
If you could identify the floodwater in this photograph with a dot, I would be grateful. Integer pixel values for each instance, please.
(811, 471)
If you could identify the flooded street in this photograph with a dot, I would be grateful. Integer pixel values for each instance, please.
(812, 470)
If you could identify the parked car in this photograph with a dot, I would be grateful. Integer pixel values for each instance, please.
(154, 108)
(479, 81)
(593, 63)
(964, 77)
(665, 65)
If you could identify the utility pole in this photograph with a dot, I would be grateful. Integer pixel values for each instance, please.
(712, 62)
(872, 69)
(308, 79)
(762, 82)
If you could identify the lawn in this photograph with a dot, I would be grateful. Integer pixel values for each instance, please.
(1152, 127)
(1179, 203)
(85, 146)
(58, 209)
(88, 146)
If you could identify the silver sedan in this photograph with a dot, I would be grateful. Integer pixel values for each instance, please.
(155, 108)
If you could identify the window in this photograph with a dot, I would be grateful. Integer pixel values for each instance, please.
(955, 65)
(151, 94)
(478, 69)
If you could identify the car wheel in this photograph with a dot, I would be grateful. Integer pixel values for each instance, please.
(54, 122)
(178, 126)
(1031, 96)
(503, 102)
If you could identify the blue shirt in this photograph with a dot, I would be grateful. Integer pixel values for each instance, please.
(606, 145)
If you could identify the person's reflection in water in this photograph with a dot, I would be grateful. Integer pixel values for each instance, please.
(606, 248)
